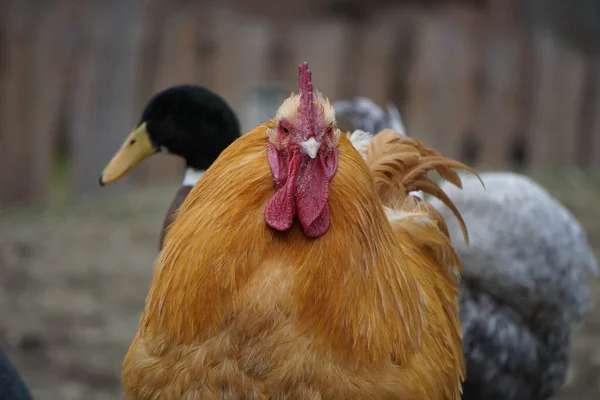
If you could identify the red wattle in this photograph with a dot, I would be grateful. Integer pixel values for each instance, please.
(331, 163)
(320, 226)
(312, 192)
(280, 211)
(302, 189)
(277, 165)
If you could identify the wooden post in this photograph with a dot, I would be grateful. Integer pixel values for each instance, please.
(13, 132)
(593, 129)
(403, 58)
(243, 48)
(558, 91)
(441, 95)
(323, 45)
(49, 63)
(222, 30)
(501, 98)
(30, 99)
(153, 23)
(374, 60)
(104, 94)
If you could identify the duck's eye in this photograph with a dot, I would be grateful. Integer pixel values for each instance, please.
(132, 141)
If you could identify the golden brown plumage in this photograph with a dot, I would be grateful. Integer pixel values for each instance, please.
(401, 163)
(239, 310)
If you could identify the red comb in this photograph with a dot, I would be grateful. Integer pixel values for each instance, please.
(305, 85)
(305, 89)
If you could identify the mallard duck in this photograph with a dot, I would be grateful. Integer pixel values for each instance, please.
(188, 121)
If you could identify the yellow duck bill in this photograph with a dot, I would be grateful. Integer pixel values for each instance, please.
(136, 148)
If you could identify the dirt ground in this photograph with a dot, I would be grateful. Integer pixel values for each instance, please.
(73, 282)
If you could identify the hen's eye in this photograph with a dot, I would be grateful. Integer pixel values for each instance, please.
(285, 130)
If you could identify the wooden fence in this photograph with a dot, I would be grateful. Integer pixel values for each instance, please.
(475, 85)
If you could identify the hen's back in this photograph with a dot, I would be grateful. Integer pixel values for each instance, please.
(525, 247)
(523, 290)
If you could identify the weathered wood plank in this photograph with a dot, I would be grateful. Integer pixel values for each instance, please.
(14, 162)
(32, 93)
(558, 89)
(104, 97)
(374, 59)
(406, 21)
(441, 87)
(500, 106)
(323, 44)
(222, 30)
(591, 127)
(152, 27)
(243, 48)
(256, 43)
(49, 62)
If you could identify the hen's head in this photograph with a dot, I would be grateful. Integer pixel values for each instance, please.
(303, 157)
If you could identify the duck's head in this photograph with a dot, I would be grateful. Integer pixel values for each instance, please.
(188, 121)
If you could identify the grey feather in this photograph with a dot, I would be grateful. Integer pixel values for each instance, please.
(367, 116)
(524, 285)
(507, 356)
(526, 248)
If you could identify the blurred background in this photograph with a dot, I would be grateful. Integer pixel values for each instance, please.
(500, 84)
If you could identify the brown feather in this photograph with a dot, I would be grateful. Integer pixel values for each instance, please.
(400, 164)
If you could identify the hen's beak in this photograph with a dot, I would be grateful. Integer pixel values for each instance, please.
(134, 150)
(311, 147)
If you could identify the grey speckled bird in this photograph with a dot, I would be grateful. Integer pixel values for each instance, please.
(523, 288)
